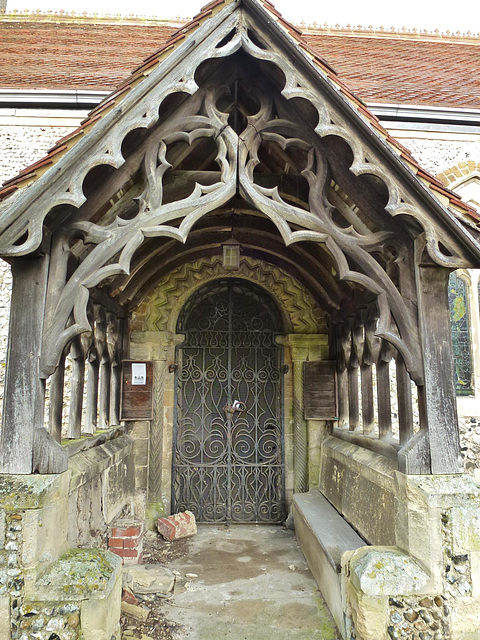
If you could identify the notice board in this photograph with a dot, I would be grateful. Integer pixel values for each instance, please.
(319, 390)
(137, 390)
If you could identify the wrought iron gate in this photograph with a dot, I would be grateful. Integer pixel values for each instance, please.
(228, 461)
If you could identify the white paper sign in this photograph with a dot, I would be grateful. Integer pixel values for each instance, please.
(139, 373)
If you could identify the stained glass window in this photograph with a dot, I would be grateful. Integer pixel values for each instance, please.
(459, 318)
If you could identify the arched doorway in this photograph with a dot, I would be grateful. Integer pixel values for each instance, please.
(228, 462)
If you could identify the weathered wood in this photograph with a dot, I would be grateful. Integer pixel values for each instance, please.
(77, 390)
(384, 401)
(404, 398)
(48, 455)
(440, 397)
(353, 400)
(343, 405)
(319, 390)
(24, 390)
(104, 395)
(388, 449)
(414, 456)
(55, 416)
(114, 340)
(368, 414)
(137, 400)
(91, 408)
(115, 386)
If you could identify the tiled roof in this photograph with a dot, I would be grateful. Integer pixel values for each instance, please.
(434, 72)
(177, 36)
(53, 52)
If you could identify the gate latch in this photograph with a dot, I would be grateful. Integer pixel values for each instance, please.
(236, 406)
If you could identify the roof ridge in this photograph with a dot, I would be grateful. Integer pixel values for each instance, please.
(407, 33)
(307, 27)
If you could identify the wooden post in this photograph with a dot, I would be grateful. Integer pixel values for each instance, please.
(92, 391)
(56, 401)
(383, 400)
(353, 401)
(440, 399)
(24, 397)
(368, 416)
(76, 396)
(404, 397)
(342, 392)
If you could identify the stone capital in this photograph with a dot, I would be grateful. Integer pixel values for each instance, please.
(304, 345)
(152, 345)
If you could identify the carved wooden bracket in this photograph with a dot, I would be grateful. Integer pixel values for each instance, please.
(346, 177)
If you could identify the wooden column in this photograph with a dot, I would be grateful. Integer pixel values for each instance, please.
(404, 399)
(440, 399)
(384, 400)
(77, 382)
(24, 390)
(56, 400)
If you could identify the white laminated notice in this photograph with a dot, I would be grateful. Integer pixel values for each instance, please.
(139, 373)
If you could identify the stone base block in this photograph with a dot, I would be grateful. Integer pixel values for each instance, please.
(180, 525)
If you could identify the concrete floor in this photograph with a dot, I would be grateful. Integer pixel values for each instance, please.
(253, 584)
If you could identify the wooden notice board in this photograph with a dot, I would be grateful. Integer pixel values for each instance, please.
(319, 390)
(137, 390)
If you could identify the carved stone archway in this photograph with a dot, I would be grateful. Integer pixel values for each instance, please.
(159, 311)
(153, 325)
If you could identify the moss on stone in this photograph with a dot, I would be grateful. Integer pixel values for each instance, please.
(18, 493)
(79, 574)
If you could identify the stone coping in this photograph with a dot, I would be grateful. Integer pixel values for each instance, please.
(88, 442)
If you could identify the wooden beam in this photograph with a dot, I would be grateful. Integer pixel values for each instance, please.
(24, 390)
(440, 399)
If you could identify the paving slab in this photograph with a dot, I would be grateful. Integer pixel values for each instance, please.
(252, 584)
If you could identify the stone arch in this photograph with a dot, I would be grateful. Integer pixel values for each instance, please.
(160, 309)
(464, 178)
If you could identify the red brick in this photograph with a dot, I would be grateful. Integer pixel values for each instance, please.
(127, 531)
(126, 553)
(128, 596)
(116, 542)
(132, 543)
(133, 561)
(179, 525)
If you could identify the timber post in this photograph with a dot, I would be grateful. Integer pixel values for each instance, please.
(24, 390)
(440, 399)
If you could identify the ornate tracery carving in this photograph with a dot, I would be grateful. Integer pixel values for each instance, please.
(160, 309)
(367, 252)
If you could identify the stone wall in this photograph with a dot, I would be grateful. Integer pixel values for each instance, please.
(20, 146)
(50, 588)
(437, 155)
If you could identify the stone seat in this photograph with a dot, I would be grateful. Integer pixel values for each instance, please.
(324, 536)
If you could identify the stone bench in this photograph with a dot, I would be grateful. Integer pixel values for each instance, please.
(324, 536)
